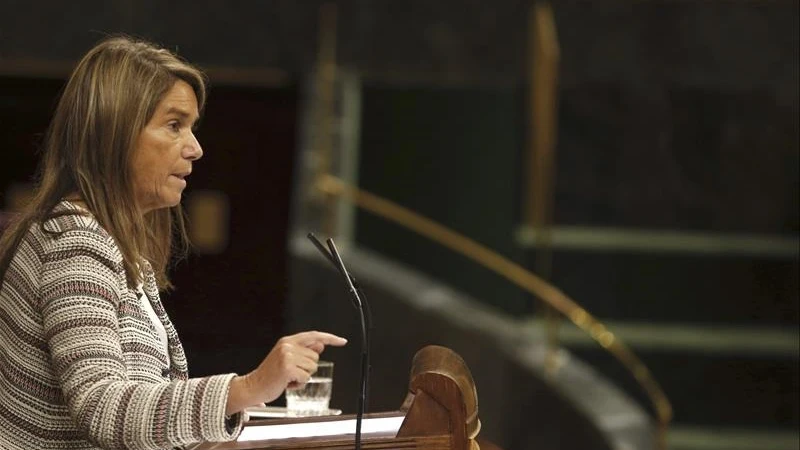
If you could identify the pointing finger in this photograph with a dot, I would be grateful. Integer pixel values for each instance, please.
(314, 338)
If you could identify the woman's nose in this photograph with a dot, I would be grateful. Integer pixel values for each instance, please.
(193, 151)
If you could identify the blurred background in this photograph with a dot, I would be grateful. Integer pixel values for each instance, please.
(640, 158)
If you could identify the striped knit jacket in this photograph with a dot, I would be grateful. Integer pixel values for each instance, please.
(80, 362)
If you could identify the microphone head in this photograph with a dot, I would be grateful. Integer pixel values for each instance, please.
(333, 256)
(321, 248)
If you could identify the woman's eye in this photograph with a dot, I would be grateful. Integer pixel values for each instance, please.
(175, 126)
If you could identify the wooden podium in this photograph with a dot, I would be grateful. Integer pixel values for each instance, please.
(440, 412)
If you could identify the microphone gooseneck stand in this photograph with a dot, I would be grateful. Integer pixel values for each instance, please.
(365, 316)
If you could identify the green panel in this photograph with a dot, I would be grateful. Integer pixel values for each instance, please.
(450, 155)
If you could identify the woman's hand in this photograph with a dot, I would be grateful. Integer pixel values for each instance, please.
(290, 364)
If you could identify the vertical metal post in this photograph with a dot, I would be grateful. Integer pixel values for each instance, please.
(325, 88)
(539, 198)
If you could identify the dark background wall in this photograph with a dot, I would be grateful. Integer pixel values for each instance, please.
(674, 115)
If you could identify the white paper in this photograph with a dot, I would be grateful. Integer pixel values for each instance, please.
(280, 412)
(327, 428)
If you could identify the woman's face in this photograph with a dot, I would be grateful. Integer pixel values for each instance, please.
(166, 149)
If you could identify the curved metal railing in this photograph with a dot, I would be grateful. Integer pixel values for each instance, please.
(331, 186)
(551, 295)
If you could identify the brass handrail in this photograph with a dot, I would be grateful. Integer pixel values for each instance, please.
(334, 186)
(544, 56)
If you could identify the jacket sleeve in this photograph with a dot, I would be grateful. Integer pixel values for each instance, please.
(80, 295)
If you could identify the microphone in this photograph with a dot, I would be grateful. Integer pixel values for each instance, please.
(365, 315)
(327, 254)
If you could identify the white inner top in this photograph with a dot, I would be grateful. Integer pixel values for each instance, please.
(160, 331)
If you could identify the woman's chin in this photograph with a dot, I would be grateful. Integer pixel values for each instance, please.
(164, 203)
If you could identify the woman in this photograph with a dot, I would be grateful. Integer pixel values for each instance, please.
(88, 356)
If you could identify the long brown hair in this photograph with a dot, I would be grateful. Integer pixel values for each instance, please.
(88, 148)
